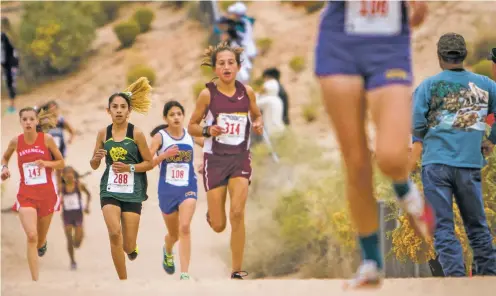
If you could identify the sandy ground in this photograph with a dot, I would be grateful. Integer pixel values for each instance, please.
(83, 97)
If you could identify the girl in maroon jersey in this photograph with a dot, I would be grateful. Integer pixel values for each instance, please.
(37, 156)
(71, 194)
(230, 110)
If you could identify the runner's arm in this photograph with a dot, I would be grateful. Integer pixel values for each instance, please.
(156, 142)
(58, 162)
(82, 188)
(147, 163)
(418, 12)
(415, 155)
(94, 163)
(421, 99)
(256, 115)
(68, 127)
(8, 153)
(194, 127)
(199, 141)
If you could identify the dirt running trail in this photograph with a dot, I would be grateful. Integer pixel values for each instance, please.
(168, 48)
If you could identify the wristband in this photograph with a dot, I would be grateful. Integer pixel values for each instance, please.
(4, 167)
(205, 132)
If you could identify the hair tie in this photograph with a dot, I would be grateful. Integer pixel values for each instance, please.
(127, 94)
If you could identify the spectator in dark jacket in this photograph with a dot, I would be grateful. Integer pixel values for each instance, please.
(10, 63)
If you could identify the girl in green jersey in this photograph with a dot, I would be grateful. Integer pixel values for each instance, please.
(124, 183)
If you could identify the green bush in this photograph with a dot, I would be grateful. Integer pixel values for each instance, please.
(309, 112)
(481, 48)
(207, 72)
(314, 6)
(224, 5)
(144, 17)
(485, 68)
(297, 64)
(264, 44)
(138, 71)
(111, 9)
(257, 84)
(126, 32)
(197, 88)
(55, 36)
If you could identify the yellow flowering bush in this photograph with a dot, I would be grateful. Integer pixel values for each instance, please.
(407, 245)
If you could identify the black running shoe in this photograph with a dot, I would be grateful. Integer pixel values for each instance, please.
(133, 254)
(42, 250)
(238, 275)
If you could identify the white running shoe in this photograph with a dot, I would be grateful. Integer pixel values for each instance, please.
(367, 276)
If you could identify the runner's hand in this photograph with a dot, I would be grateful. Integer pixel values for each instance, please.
(170, 151)
(258, 127)
(215, 130)
(99, 154)
(120, 167)
(40, 163)
(5, 173)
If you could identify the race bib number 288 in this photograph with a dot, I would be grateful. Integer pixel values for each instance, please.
(371, 17)
(120, 182)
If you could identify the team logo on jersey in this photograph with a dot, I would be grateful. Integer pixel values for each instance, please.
(181, 156)
(396, 74)
(118, 153)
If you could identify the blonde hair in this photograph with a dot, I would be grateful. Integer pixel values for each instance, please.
(137, 95)
(210, 54)
(47, 120)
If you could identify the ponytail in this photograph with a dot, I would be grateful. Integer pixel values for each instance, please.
(157, 129)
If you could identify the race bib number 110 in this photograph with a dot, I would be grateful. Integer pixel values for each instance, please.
(371, 17)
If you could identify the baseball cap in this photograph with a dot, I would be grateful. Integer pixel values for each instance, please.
(492, 55)
(452, 45)
(237, 8)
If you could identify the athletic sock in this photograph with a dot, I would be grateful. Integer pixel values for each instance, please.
(402, 188)
(370, 248)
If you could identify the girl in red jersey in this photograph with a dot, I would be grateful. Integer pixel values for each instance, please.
(37, 156)
(229, 108)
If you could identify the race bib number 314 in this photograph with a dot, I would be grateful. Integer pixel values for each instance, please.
(371, 17)
(234, 126)
(120, 182)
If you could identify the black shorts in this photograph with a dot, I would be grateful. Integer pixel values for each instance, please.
(133, 207)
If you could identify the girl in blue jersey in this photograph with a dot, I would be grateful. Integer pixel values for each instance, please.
(177, 187)
(363, 61)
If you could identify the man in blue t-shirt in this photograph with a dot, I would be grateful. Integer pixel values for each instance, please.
(449, 116)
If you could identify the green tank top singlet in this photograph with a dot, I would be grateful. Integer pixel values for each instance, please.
(128, 186)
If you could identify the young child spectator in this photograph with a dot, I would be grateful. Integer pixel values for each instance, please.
(270, 103)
